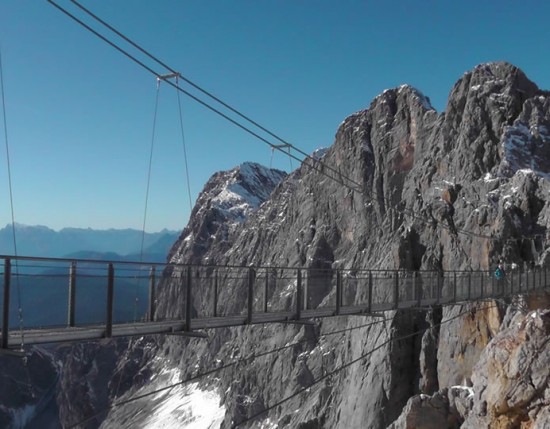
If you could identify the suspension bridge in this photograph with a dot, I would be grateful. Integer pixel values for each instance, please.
(271, 295)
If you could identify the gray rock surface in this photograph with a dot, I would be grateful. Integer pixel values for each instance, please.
(408, 188)
(510, 380)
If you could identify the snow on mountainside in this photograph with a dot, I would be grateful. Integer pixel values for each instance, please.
(183, 406)
(243, 189)
(526, 143)
(226, 201)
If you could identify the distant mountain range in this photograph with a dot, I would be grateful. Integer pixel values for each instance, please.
(44, 293)
(119, 244)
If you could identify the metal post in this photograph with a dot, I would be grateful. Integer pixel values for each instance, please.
(481, 284)
(438, 287)
(304, 292)
(152, 297)
(396, 291)
(6, 304)
(298, 294)
(454, 287)
(110, 295)
(188, 298)
(369, 302)
(418, 289)
(520, 281)
(250, 294)
(215, 303)
(266, 289)
(338, 292)
(72, 294)
(414, 295)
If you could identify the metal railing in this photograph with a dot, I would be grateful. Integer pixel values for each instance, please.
(72, 293)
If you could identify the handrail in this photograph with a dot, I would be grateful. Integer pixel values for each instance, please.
(177, 264)
(267, 294)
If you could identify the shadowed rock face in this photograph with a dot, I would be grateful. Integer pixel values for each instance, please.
(408, 188)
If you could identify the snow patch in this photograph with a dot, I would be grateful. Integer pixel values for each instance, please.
(488, 178)
(268, 424)
(520, 151)
(187, 407)
(22, 416)
(319, 153)
(245, 189)
(184, 406)
(468, 389)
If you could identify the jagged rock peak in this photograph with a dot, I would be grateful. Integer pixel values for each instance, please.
(503, 84)
(500, 71)
(227, 199)
(404, 91)
(236, 192)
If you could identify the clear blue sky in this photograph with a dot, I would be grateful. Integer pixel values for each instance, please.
(80, 114)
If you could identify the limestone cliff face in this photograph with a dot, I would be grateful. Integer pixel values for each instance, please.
(402, 187)
(456, 190)
(509, 383)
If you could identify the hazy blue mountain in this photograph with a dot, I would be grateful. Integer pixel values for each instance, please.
(44, 241)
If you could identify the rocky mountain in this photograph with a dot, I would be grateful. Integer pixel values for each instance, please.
(402, 187)
(458, 190)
